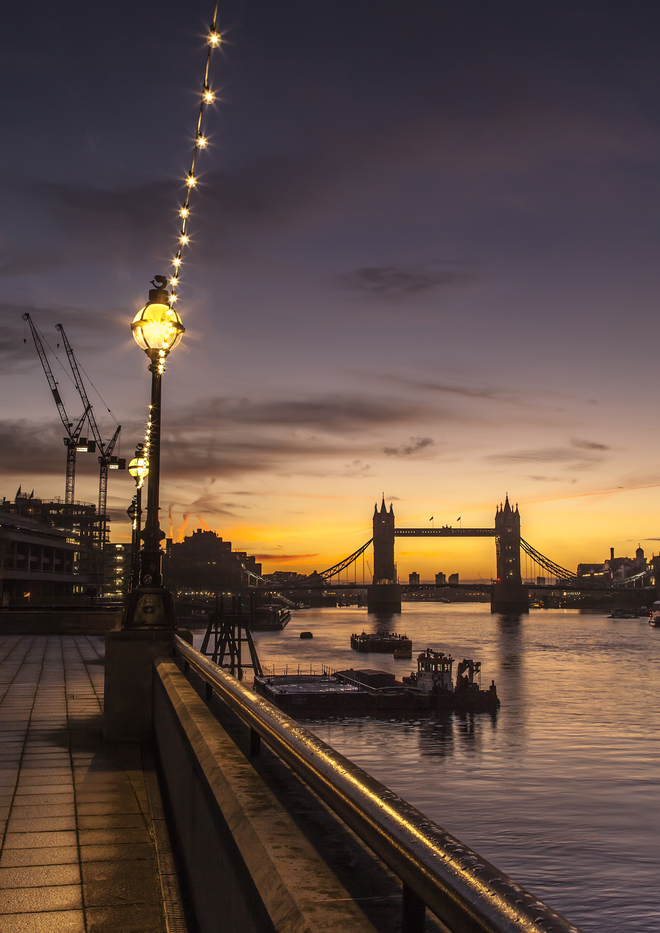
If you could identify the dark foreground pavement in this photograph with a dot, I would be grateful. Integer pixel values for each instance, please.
(84, 844)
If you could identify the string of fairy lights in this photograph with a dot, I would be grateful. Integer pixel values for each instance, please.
(207, 97)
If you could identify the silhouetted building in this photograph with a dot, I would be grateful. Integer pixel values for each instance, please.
(441, 578)
(284, 576)
(413, 577)
(453, 579)
(203, 562)
(615, 568)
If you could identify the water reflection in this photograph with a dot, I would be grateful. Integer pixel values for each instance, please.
(443, 735)
(510, 645)
(436, 736)
(384, 622)
(560, 788)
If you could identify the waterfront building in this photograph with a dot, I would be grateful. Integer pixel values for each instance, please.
(47, 549)
(204, 563)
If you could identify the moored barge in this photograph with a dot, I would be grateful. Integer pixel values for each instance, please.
(383, 642)
(270, 619)
(367, 692)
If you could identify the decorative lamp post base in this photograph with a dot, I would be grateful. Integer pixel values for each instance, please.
(147, 633)
(149, 607)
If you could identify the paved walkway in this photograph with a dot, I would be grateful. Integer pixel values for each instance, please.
(81, 821)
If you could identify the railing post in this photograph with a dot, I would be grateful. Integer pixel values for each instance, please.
(413, 914)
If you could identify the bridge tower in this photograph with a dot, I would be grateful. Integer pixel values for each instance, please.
(385, 593)
(383, 534)
(508, 595)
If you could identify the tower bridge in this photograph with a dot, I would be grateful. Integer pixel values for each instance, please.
(508, 593)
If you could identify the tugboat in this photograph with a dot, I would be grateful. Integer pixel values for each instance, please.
(383, 642)
(434, 676)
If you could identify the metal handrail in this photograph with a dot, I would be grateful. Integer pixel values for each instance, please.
(463, 890)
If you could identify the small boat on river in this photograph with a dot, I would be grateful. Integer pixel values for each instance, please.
(270, 618)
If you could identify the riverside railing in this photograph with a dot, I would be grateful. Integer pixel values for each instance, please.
(467, 893)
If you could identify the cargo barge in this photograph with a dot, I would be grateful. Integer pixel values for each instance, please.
(269, 619)
(368, 692)
(383, 642)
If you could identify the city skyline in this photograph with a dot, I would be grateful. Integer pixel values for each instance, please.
(423, 264)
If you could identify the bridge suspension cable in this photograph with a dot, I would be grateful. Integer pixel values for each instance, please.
(561, 573)
(346, 562)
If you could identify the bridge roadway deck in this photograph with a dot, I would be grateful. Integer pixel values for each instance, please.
(84, 844)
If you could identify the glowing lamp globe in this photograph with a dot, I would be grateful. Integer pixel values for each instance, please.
(157, 327)
(139, 468)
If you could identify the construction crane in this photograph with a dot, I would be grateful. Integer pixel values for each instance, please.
(73, 441)
(107, 460)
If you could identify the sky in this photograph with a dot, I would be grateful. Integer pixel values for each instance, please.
(423, 264)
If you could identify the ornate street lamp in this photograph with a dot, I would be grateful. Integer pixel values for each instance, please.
(157, 329)
(139, 470)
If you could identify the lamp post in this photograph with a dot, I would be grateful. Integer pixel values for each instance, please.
(157, 330)
(139, 470)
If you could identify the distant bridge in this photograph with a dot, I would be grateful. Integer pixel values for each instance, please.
(509, 545)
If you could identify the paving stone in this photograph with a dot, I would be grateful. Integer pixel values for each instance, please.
(45, 778)
(32, 876)
(89, 837)
(37, 824)
(124, 871)
(39, 840)
(134, 919)
(128, 806)
(35, 810)
(54, 921)
(124, 890)
(99, 853)
(29, 796)
(34, 900)
(112, 821)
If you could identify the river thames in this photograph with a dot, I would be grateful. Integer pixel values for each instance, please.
(561, 788)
